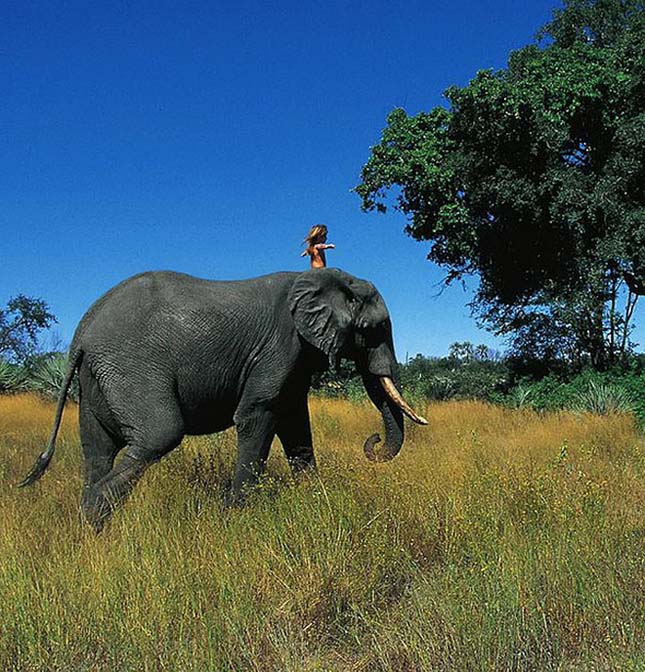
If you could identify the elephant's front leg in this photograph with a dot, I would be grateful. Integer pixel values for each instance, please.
(294, 432)
(255, 432)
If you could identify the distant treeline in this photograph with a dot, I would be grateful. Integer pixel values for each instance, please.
(477, 372)
(468, 372)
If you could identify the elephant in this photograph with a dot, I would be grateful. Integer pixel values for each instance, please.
(164, 354)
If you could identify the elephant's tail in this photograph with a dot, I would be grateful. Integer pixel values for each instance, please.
(44, 458)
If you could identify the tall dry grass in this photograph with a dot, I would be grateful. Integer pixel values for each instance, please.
(497, 540)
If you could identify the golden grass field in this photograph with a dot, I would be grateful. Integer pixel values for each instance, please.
(498, 540)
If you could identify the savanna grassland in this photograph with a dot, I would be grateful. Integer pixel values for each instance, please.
(498, 540)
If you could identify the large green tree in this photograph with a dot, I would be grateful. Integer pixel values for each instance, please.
(533, 180)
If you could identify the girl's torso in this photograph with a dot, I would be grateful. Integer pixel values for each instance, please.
(317, 256)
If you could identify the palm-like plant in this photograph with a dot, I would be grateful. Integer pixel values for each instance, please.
(603, 399)
(521, 397)
(12, 378)
(47, 377)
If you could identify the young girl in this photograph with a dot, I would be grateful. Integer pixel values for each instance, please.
(316, 246)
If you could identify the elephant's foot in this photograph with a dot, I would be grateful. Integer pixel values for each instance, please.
(236, 499)
(96, 508)
(302, 464)
(100, 499)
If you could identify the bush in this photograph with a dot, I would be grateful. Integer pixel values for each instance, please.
(445, 378)
(600, 393)
(603, 399)
(425, 378)
(48, 373)
(344, 383)
(12, 378)
(43, 374)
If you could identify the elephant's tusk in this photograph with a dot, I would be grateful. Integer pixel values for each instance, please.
(395, 396)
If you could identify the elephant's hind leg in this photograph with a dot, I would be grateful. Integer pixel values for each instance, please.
(148, 444)
(99, 450)
(99, 435)
(105, 495)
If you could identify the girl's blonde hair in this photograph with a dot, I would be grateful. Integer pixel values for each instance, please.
(316, 234)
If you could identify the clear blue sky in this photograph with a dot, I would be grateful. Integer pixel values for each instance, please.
(207, 137)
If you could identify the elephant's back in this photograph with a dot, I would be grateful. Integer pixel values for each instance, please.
(96, 309)
(140, 304)
(175, 287)
(162, 314)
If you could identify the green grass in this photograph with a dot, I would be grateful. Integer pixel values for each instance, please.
(498, 540)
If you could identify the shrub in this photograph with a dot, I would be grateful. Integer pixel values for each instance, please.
(440, 379)
(47, 375)
(12, 378)
(600, 393)
(603, 399)
(520, 396)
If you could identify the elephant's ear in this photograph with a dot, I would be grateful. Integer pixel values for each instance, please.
(323, 306)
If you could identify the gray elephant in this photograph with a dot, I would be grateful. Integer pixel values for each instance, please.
(164, 354)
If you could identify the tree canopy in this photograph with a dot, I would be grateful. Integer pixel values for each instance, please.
(533, 179)
(20, 323)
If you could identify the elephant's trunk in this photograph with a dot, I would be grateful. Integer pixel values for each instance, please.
(385, 396)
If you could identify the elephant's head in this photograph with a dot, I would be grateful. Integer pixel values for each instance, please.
(346, 317)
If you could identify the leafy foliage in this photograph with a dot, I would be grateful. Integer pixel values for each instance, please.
(604, 399)
(458, 376)
(22, 366)
(477, 373)
(343, 382)
(43, 374)
(601, 393)
(533, 180)
(12, 377)
(20, 323)
(47, 374)
(469, 372)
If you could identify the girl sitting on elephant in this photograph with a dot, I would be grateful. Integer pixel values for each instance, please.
(316, 242)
